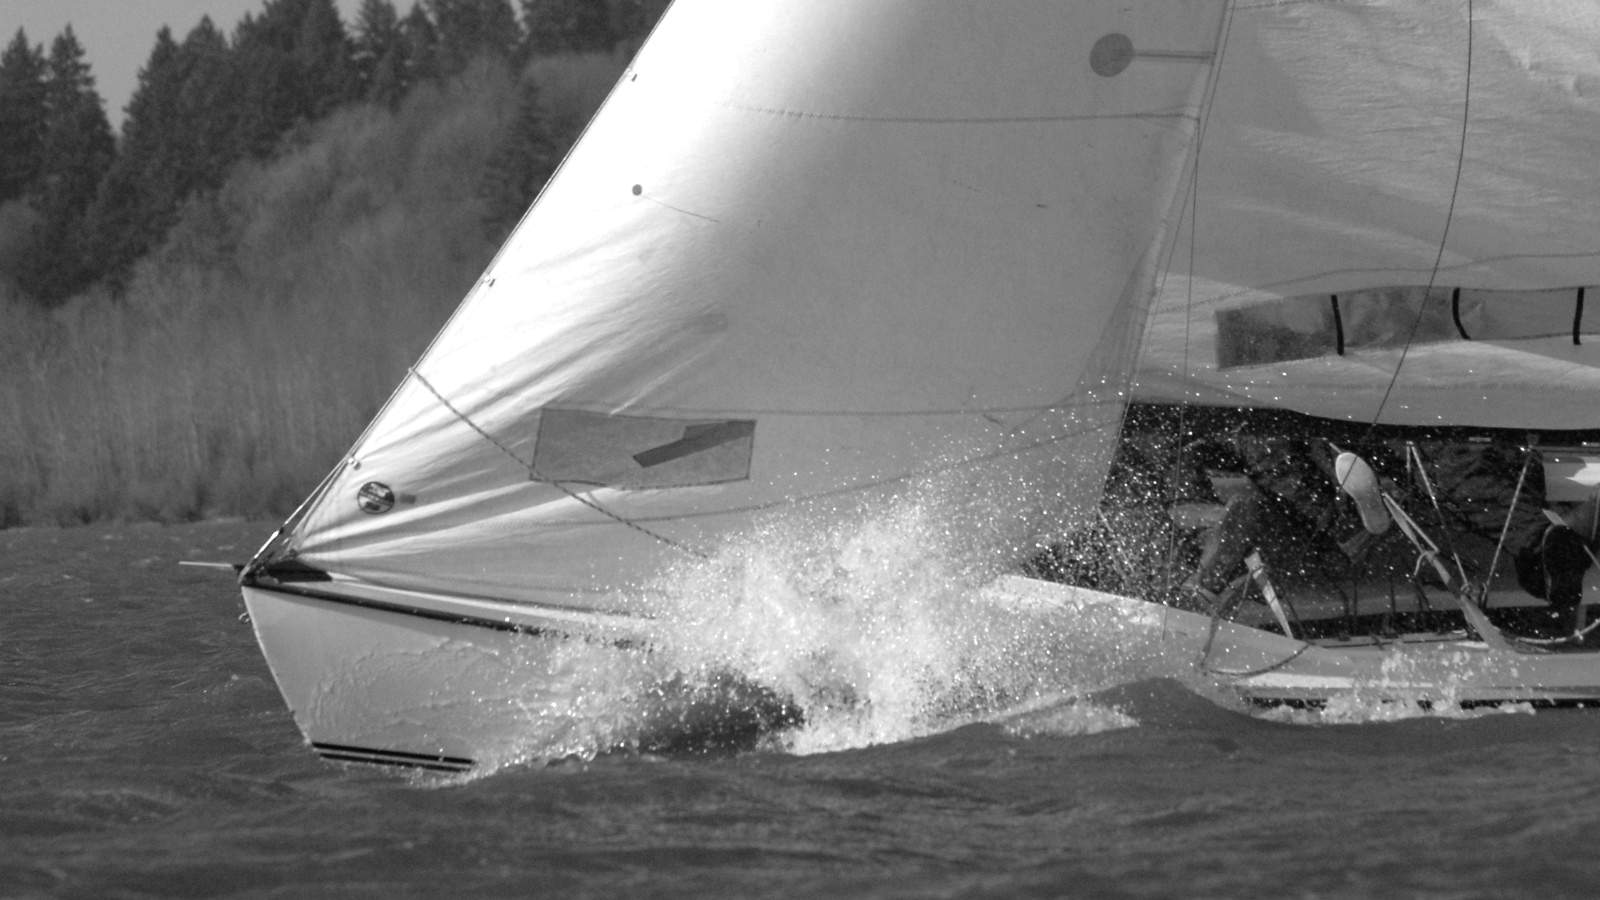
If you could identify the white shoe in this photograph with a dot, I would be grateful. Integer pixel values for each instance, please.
(1356, 479)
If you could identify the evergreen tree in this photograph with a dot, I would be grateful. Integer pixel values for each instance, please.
(524, 160)
(568, 26)
(378, 52)
(470, 28)
(203, 136)
(138, 200)
(420, 42)
(68, 75)
(23, 112)
(390, 79)
(322, 54)
(297, 56)
(78, 151)
(268, 103)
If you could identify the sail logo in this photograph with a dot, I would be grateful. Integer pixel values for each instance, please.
(375, 497)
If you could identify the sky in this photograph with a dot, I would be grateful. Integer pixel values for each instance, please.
(117, 35)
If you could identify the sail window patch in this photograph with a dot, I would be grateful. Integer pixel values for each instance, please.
(1315, 325)
(638, 452)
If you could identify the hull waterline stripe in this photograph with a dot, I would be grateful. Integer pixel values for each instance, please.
(431, 614)
(435, 762)
(368, 761)
(1536, 702)
(397, 754)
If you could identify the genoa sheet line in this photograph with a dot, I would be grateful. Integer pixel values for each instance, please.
(1191, 207)
(533, 475)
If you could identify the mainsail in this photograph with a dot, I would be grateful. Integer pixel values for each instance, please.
(1396, 218)
(807, 253)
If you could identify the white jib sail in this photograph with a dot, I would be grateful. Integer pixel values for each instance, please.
(808, 252)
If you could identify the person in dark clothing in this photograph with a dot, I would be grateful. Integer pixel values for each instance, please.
(1492, 496)
(1292, 514)
(1551, 564)
(1483, 490)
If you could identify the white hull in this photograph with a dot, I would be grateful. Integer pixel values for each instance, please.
(1270, 668)
(412, 680)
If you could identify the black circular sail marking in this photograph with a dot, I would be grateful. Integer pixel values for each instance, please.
(375, 497)
(1111, 54)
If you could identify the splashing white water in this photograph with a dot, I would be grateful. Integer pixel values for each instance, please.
(878, 631)
(862, 628)
(848, 634)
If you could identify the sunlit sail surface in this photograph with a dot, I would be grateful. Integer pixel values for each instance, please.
(807, 251)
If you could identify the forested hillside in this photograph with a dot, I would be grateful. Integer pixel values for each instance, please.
(198, 315)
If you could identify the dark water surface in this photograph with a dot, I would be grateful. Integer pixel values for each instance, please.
(144, 752)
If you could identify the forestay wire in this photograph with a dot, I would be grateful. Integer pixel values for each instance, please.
(1193, 206)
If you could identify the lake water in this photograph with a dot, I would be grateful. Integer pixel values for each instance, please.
(144, 752)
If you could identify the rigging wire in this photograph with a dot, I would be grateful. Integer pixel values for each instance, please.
(1394, 377)
(1444, 236)
(1505, 529)
(1433, 275)
(1179, 464)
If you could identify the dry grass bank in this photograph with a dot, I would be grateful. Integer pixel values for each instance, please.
(250, 351)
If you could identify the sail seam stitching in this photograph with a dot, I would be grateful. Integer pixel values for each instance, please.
(956, 120)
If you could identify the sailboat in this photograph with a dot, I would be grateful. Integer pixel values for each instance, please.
(818, 259)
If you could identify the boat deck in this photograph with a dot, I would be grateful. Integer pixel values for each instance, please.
(1380, 611)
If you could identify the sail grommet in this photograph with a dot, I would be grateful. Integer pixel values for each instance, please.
(374, 498)
(1111, 54)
